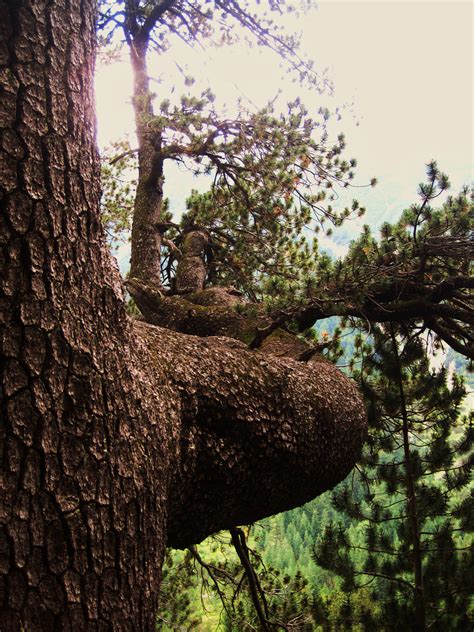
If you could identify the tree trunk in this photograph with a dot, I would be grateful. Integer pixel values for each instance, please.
(416, 557)
(146, 235)
(117, 437)
(86, 440)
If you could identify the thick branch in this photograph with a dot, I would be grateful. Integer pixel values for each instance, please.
(155, 14)
(217, 311)
(259, 434)
(421, 309)
(464, 349)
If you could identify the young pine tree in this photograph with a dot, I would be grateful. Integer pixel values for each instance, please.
(417, 552)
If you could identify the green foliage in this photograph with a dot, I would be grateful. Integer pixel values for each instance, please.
(118, 191)
(176, 609)
(414, 508)
(419, 272)
(284, 572)
(270, 176)
(267, 195)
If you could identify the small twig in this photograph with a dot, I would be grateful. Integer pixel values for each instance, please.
(210, 570)
(172, 247)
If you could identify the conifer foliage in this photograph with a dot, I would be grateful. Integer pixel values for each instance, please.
(272, 171)
(419, 271)
(415, 556)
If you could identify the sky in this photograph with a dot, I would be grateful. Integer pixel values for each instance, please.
(405, 68)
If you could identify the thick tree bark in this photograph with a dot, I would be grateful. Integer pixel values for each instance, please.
(258, 435)
(146, 235)
(87, 438)
(191, 271)
(117, 437)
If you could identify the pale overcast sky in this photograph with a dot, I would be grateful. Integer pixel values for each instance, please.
(406, 67)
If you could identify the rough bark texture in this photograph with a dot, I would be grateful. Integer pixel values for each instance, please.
(87, 437)
(258, 436)
(117, 436)
(146, 235)
(191, 271)
(217, 311)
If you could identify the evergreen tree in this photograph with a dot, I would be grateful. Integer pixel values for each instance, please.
(270, 170)
(417, 564)
(176, 608)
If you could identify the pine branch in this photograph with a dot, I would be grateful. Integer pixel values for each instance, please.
(150, 21)
(256, 591)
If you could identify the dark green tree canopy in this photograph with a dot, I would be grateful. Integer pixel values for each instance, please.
(415, 551)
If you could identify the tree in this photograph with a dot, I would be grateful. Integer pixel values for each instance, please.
(119, 437)
(419, 272)
(416, 280)
(269, 170)
(263, 167)
(416, 473)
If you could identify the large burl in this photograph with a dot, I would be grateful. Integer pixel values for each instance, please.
(261, 432)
